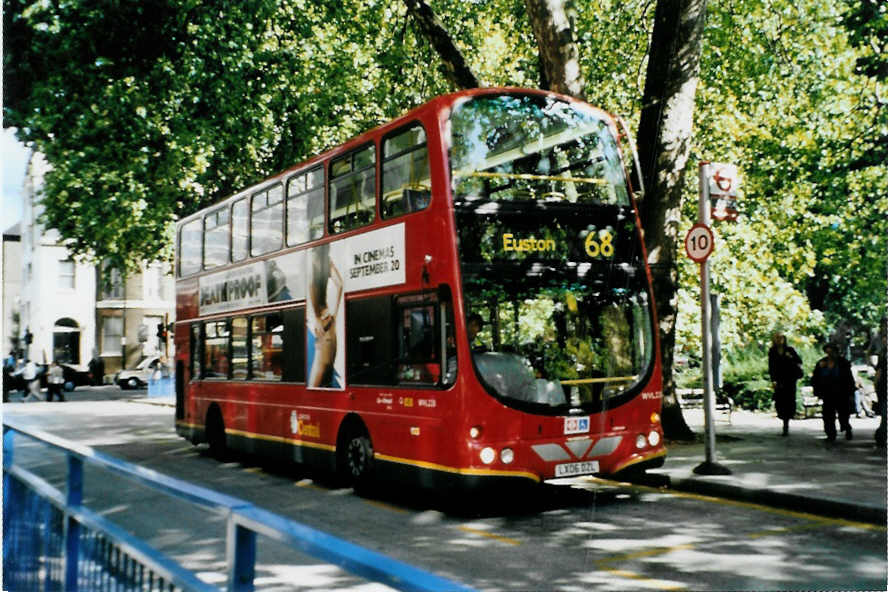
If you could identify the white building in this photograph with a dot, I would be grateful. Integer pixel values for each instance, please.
(58, 295)
(10, 330)
(74, 316)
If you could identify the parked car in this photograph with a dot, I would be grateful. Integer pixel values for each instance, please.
(74, 376)
(137, 377)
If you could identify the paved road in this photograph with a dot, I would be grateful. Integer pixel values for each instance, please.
(593, 535)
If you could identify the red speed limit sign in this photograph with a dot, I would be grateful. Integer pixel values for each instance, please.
(699, 242)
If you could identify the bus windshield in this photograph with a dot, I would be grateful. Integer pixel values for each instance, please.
(550, 253)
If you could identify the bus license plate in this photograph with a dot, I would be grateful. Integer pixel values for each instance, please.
(574, 469)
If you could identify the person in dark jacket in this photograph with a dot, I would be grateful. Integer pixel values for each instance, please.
(882, 386)
(833, 383)
(785, 368)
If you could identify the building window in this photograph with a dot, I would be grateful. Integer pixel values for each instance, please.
(150, 283)
(112, 333)
(112, 288)
(66, 275)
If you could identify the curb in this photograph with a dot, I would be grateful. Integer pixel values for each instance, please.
(787, 501)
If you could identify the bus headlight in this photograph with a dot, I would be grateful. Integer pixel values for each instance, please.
(654, 438)
(640, 441)
(507, 455)
(488, 455)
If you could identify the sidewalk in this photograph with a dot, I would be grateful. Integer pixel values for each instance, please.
(802, 472)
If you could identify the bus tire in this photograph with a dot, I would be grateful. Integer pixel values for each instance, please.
(215, 427)
(356, 457)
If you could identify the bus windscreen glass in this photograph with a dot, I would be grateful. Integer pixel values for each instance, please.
(550, 253)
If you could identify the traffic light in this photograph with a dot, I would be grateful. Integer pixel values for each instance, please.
(29, 337)
(161, 331)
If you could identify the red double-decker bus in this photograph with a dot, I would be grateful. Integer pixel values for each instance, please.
(459, 296)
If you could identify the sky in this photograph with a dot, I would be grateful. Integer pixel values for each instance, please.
(12, 175)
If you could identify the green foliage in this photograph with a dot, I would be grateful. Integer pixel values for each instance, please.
(745, 378)
(147, 111)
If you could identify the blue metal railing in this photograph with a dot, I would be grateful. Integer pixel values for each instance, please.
(52, 542)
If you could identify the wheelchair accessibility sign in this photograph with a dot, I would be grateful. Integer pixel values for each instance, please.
(576, 425)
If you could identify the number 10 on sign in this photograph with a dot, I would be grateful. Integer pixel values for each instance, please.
(699, 242)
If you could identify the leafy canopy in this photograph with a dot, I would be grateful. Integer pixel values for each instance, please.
(148, 111)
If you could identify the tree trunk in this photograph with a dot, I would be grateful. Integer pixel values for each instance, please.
(552, 23)
(456, 69)
(664, 136)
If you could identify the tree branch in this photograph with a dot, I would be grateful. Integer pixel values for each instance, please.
(552, 23)
(456, 69)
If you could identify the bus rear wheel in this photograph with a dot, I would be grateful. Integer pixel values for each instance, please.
(356, 459)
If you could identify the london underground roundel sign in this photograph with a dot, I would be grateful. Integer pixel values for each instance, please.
(699, 242)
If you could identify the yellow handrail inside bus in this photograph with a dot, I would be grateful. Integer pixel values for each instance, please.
(598, 380)
(528, 177)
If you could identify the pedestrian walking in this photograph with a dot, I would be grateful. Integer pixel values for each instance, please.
(881, 383)
(8, 370)
(785, 369)
(31, 377)
(833, 383)
(55, 380)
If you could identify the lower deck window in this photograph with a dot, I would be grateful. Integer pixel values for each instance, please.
(263, 347)
(216, 356)
(267, 360)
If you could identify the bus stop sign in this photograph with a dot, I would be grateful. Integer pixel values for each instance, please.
(723, 183)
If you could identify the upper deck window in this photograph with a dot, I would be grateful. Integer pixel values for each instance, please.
(240, 233)
(305, 207)
(406, 182)
(267, 220)
(353, 190)
(529, 147)
(190, 247)
(216, 238)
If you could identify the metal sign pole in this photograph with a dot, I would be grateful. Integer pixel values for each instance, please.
(709, 467)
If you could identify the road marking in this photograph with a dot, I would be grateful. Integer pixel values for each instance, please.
(645, 553)
(783, 530)
(740, 504)
(490, 535)
(652, 583)
(386, 506)
(602, 564)
(309, 484)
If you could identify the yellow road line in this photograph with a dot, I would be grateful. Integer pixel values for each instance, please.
(602, 564)
(652, 583)
(815, 522)
(386, 506)
(645, 553)
(741, 504)
(490, 535)
(309, 484)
